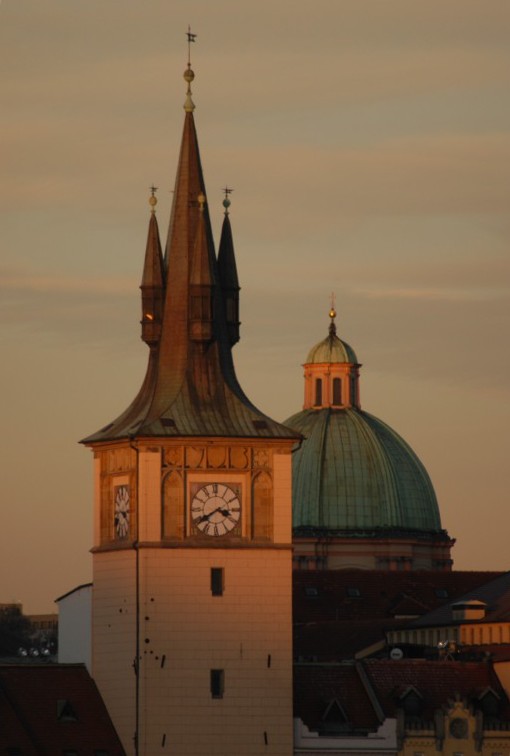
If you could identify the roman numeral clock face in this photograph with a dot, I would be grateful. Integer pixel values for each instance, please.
(216, 509)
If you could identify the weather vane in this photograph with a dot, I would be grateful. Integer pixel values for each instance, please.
(226, 201)
(191, 38)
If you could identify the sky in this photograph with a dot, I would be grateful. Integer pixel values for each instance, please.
(368, 146)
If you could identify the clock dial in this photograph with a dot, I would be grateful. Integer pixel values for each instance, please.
(121, 514)
(216, 509)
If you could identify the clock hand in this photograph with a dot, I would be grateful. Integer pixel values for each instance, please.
(204, 518)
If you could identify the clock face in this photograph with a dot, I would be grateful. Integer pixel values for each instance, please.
(121, 515)
(216, 509)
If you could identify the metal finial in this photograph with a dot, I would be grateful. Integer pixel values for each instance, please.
(191, 38)
(189, 75)
(201, 202)
(153, 200)
(332, 315)
(226, 201)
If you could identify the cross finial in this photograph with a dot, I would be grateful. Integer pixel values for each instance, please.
(226, 201)
(191, 38)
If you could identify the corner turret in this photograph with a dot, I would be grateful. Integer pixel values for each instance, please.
(227, 272)
(152, 286)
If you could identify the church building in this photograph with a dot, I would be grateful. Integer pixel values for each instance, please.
(361, 497)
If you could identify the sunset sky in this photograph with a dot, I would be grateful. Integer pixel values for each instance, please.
(368, 145)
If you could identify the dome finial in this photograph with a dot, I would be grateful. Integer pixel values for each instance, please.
(153, 200)
(332, 315)
(226, 201)
(189, 105)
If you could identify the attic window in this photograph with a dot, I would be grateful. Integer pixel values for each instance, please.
(489, 703)
(441, 593)
(353, 592)
(260, 424)
(412, 702)
(334, 718)
(167, 422)
(311, 591)
(65, 711)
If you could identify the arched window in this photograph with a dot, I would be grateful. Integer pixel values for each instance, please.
(337, 391)
(318, 392)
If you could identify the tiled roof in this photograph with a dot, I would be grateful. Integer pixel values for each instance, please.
(494, 593)
(53, 708)
(327, 595)
(316, 686)
(336, 641)
(437, 682)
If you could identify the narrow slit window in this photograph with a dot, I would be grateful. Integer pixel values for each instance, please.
(318, 392)
(337, 391)
(217, 683)
(217, 581)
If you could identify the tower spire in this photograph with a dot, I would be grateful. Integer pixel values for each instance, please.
(190, 320)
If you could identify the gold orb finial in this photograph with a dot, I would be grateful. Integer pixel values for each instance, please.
(332, 315)
(153, 200)
(226, 201)
(201, 201)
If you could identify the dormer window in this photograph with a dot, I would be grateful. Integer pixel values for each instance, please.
(334, 719)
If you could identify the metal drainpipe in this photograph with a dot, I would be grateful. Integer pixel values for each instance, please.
(136, 662)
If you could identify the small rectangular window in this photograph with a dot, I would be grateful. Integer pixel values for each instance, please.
(217, 683)
(217, 581)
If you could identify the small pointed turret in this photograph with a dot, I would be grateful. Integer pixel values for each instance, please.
(152, 286)
(227, 272)
(200, 285)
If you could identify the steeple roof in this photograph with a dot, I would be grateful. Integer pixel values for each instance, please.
(190, 388)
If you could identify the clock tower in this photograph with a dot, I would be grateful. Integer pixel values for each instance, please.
(192, 646)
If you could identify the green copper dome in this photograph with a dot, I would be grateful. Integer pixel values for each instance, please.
(331, 349)
(354, 473)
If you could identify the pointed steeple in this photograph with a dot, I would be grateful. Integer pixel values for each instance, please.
(152, 285)
(190, 388)
(227, 272)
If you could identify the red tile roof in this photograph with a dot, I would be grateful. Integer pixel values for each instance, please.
(437, 682)
(316, 686)
(324, 595)
(31, 698)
